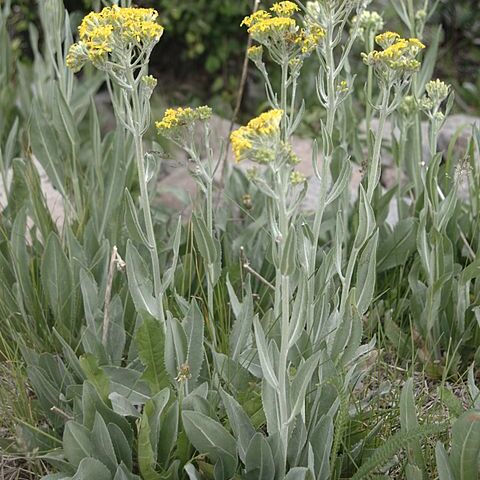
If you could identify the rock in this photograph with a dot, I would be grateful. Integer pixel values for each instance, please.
(460, 124)
(53, 198)
(177, 189)
(220, 130)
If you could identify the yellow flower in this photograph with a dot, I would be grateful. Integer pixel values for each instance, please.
(77, 56)
(267, 123)
(398, 53)
(342, 87)
(112, 29)
(259, 138)
(273, 26)
(281, 34)
(240, 144)
(415, 42)
(255, 53)
(176, 118)
(387, 38)
(258, 16)
(309, 40)
(296, 178)
(284, 9)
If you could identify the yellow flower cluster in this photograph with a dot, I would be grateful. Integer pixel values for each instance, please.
(272, 27)
(398, 53)
(257, 17)
(297, 178)
(386, 39)
(278, 31)
(309, 39)
(255, 53)
(258, 138)
(177, 118)
(284, 9)
(113, 28)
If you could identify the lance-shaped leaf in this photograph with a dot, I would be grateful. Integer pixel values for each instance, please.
(76, 442)
(95, 375)
(64, 122)
(366, 220)
(366, 275)
(149, 434)
(443, 463)
(193, 325)
(89, 289)
(341, 182)
(102, 444)
(408, 421)
(472, 387)
(265, 361)
(139, 284)
(175, 346)
(243, 320)
(289, 255)
(321, 442)
(146, 454)
(300, 384)
(45, 148)
(150, 341)
(259, 461)
(58, 282)
(300, 473)
(90, 468)
(168, 276)
(398, 246)
(132, 221)
(240, 423)
(210, 437)
(465, 456)
(123, 406)
(204, 240)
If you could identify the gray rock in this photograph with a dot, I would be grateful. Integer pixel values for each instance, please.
(220, 129)
(177, 189)
(460, 124)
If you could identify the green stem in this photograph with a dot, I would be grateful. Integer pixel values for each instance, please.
(76, 186)
(283, 101)
(284, 293)
(145, 200)
(416, 160)
(369, 100)
(401, 165)
(348, 279)
(326, 161)
(210, 286)
(374, 164)
(283, 362)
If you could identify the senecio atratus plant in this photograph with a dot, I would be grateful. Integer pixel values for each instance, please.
(270, 398)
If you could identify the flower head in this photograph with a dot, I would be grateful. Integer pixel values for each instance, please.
(297, 178)
(387, 39)
(284, 9)
(255, 53)
(176, 119)
(108, 34)
(398, 54)
(368, 21)
(279, 32)
(258, 140)
(431, 103)
(409, 107)
(437, 90)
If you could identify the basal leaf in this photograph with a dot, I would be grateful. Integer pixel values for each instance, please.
(150, 341)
